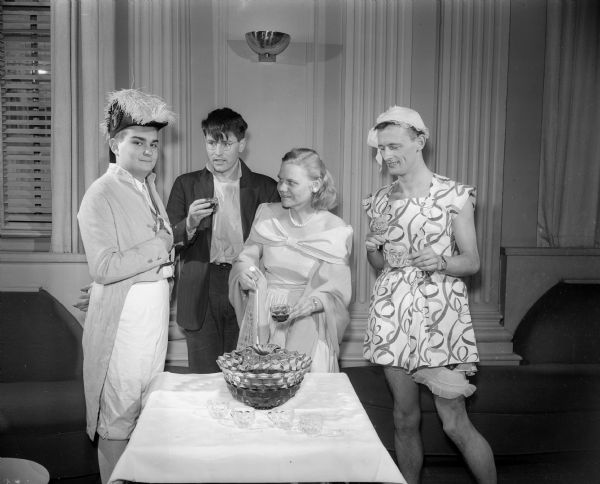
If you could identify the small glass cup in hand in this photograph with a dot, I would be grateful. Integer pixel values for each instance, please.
(280, 312)
(396, 254)
(214, 203)
(379, 225)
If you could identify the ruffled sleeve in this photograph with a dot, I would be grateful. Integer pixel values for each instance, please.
(462, 195)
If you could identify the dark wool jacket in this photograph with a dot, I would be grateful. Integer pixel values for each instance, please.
(194, 255)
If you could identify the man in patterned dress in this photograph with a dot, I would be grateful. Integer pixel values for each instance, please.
(423, 241)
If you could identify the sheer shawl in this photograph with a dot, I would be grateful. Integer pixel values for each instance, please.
(329, 281)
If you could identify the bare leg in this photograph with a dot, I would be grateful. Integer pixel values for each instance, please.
(109, 452)
(474, 448)
(407, 417)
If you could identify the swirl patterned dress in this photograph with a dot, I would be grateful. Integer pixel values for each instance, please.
(419, 319)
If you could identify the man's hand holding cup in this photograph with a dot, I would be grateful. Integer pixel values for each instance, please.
(199, 210)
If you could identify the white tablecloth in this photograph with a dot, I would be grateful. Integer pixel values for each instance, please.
(176, 440)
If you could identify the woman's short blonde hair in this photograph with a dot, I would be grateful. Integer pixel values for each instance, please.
(326, 197)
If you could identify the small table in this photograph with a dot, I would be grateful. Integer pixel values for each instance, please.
(176, 440)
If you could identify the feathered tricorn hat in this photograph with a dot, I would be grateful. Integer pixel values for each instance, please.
(131, 107)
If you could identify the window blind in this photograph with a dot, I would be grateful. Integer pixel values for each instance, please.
(26, 118)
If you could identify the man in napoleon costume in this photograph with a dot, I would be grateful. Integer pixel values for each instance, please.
(128, 243)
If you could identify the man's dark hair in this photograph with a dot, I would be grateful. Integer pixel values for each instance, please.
(222, 121)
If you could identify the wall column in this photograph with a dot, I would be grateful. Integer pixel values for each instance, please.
(468, 143)
(376, 75)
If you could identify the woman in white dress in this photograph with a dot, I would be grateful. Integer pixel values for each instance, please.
(297, 254)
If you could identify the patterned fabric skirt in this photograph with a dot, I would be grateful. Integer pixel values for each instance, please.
(419, 319)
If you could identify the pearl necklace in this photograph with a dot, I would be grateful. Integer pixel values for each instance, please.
(298, 224)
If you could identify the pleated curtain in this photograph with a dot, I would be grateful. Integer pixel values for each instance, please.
(569, 198)
(83, 65)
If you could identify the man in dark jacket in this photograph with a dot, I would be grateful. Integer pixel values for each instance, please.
(211, 212)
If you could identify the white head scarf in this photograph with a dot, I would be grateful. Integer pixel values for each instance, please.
(396, 115)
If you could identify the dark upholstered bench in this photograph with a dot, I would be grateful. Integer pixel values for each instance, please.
(42, 407)
(549, 404)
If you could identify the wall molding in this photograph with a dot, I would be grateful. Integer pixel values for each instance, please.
(20, 288)
(313, 114)
(41, 258)
(220, 12)
(549, 251)
(529, 273)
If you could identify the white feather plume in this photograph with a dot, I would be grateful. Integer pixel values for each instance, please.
(143, 108)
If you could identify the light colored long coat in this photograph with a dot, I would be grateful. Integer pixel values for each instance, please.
(118, 233)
